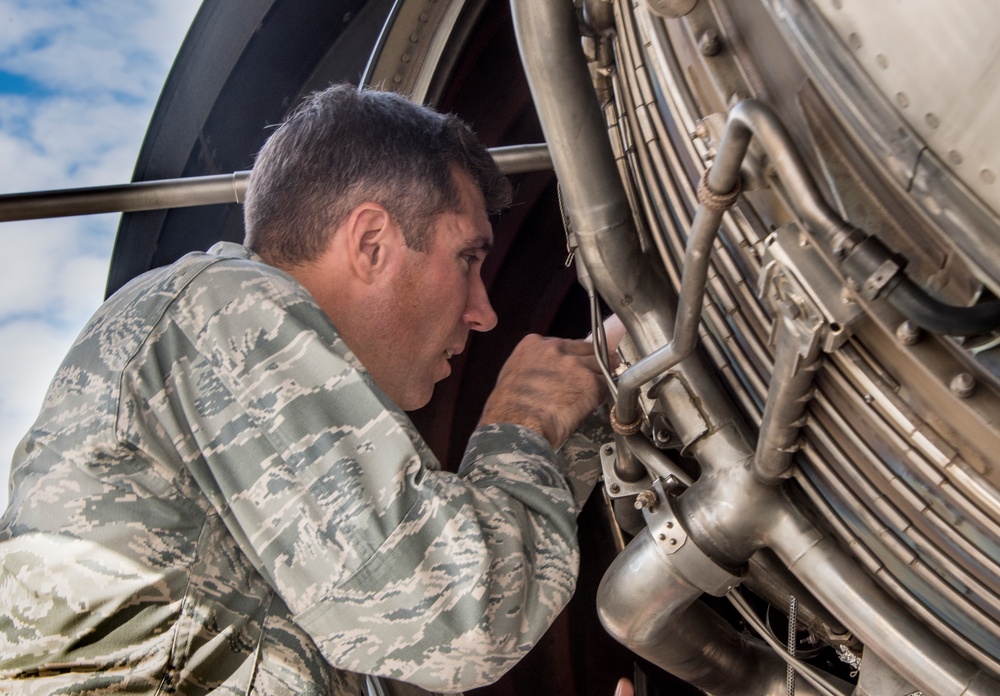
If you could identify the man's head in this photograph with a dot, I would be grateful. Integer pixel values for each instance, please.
(378, 207)
(345, 146)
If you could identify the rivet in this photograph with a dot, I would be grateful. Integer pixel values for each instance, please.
(854, 40)
(614, 487)
(902, 100)
(955, 157)
(987, 175)
(673, 542)
(932, 120)
(882, 60)
(663, 537)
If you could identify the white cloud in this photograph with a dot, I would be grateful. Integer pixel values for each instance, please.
(92, 72)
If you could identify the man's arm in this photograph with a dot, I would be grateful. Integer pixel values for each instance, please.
(392, 567)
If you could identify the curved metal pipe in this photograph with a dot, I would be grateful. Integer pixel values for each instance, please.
(750, 118)
(644, 597)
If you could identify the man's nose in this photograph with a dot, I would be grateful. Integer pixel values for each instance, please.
(479, 314)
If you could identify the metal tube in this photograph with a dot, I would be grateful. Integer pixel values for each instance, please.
(697, 258)
(141, 195)
(646, 603)
(596, 204)
(197, 190)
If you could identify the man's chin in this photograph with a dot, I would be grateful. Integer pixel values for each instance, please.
(417, 401)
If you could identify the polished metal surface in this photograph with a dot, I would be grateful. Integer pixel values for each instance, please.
(935, 63)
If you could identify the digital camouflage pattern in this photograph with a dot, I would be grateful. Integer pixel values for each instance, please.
(216, 499)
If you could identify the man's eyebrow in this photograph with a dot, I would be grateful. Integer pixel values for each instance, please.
(480, 242)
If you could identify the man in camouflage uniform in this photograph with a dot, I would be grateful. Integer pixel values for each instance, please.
(222, 493)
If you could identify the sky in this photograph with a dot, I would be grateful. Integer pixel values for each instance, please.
(78, 83)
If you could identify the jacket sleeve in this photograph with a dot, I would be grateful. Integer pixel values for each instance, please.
(393, 567)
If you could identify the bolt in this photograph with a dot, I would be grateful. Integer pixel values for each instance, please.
(963, 385)
(700, 132)
(608, 450)
(673, 542)
(663, 537)
(614, 488)
(645, 500)
(868, 399)
(710, 43)
(662, 436)
(908, 333)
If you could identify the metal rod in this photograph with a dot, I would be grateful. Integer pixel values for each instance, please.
(122, 198)
(193, 191)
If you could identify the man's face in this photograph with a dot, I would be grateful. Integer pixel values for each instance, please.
(432, 300)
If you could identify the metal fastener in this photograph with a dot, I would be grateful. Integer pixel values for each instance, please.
(710, 43)
(908, 333)
(645, 500)
(963, 385)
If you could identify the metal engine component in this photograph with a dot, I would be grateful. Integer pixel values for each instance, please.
(815, 320)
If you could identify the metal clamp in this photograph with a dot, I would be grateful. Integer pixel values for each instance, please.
(689, 560)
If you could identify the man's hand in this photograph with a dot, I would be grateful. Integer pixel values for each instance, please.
(548, 385)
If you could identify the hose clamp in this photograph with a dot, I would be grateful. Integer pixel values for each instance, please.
(717, 201)
(624, 428)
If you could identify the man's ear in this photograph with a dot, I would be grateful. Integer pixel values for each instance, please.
(370, 236)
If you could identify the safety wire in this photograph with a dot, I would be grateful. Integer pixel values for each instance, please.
(808, 672)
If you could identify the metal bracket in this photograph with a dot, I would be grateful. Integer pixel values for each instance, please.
(790, 255)
(616, 486)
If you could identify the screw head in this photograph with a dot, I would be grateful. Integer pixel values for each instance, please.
(908, 333)
(710, 44)
(963, 385)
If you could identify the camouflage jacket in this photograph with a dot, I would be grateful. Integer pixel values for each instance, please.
(216, 498)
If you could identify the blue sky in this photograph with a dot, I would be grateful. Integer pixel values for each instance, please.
(78, 83)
